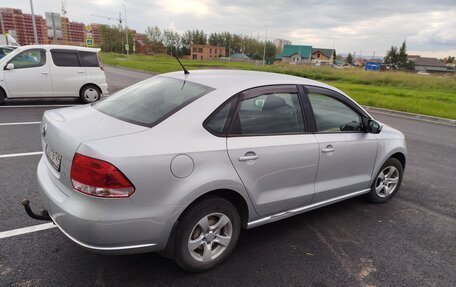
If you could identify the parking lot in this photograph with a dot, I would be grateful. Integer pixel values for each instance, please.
(409, 241)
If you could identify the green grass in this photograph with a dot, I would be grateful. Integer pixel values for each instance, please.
(430, 95)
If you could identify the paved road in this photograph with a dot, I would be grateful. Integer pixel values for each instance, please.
(410, 241)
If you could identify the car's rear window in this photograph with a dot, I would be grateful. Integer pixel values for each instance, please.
(151, 101)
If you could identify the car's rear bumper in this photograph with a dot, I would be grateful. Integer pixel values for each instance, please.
(104, 89)
(115, 226)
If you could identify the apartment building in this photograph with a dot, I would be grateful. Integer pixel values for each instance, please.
(280, 43)
(20, 26)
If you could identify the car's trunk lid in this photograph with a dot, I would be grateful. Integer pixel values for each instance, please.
(63, 130)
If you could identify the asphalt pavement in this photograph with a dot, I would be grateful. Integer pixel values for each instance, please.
(409, 241)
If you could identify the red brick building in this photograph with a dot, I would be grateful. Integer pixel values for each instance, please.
(20, 26)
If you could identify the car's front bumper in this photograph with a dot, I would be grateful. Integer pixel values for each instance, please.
(115, 226)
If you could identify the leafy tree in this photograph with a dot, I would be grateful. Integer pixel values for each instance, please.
(334, 56)
(153, 41)
(402, 56)
(391, 57)
(171, 40)
(450, 60)
(350, 59)
(113, 39)
(397, 58)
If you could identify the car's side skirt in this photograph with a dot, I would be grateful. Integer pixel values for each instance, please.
(295, 211)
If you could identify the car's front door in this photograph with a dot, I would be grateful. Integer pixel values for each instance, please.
(347, 152)
(30, 76)
(269, 148)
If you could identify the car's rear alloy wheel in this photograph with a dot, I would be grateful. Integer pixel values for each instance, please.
(206, 234)
(210, 237)
(387, 182)
(90, 94)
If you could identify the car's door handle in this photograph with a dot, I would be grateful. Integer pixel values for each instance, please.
(81, 72)
(249, 157)
(328, 148)
(44, 73)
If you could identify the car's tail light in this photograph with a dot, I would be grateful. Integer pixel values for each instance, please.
(99, 178)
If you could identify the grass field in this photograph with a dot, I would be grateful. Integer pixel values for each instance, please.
(408, 92)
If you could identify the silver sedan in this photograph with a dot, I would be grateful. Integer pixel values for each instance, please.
(180, 163)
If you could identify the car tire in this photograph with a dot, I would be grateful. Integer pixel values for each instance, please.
(387, 181)
(90, 94)
(206, 234)
(2, 96)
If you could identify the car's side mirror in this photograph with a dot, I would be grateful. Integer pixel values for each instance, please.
(10, 66)
(374, 127)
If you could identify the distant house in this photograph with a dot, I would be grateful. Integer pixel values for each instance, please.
(429, 65)
(321, 56)
(239, 56)
(206, 52)
(296, 54)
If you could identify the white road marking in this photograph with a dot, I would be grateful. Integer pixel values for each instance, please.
(25, 230)
(20, 154)
(36, 106)
(20, 123)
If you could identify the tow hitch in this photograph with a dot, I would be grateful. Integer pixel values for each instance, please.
(43, 216)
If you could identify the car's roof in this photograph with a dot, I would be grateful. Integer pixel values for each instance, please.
(61, 47)
(241, 79)
(234, 81)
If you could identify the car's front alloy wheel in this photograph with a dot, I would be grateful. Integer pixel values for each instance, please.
(206, 234)
(387, 182)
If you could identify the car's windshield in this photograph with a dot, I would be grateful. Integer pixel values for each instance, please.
(149, 102)
(10, 55)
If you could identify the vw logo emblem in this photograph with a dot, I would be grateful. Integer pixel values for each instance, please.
(43, 130)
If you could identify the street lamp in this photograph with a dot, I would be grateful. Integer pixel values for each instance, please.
(126, 30)
(264, 49)
(35, 35)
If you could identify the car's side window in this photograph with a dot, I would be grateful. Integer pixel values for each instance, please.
(65, 58)
(220, 118)
(269, 113)
(332, 115)
(29, 59)
(89, 59)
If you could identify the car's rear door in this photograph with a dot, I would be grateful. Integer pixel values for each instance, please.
(68, 74)
(269, 148)
(347, 152)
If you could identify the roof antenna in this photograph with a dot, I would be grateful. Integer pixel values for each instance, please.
(185, 70)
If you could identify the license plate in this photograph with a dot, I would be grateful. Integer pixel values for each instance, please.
(53, 157)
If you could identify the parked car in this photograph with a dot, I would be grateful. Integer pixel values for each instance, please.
(5, 50)
(52, 71)
(180, 163)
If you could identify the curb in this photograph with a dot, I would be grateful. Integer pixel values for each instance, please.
(412, 116)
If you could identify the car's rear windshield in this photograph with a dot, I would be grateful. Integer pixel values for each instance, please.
(151, 101)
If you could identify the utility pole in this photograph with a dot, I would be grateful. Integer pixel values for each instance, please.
(126, 31)
(264, 49)
(35, 35)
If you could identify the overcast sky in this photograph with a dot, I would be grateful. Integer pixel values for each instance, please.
(429, 26)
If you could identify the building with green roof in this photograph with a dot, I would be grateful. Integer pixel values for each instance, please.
(298, 54)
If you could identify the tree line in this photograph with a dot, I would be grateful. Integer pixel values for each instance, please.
(158, 41)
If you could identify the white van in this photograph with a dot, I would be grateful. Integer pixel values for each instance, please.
(43, 71)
